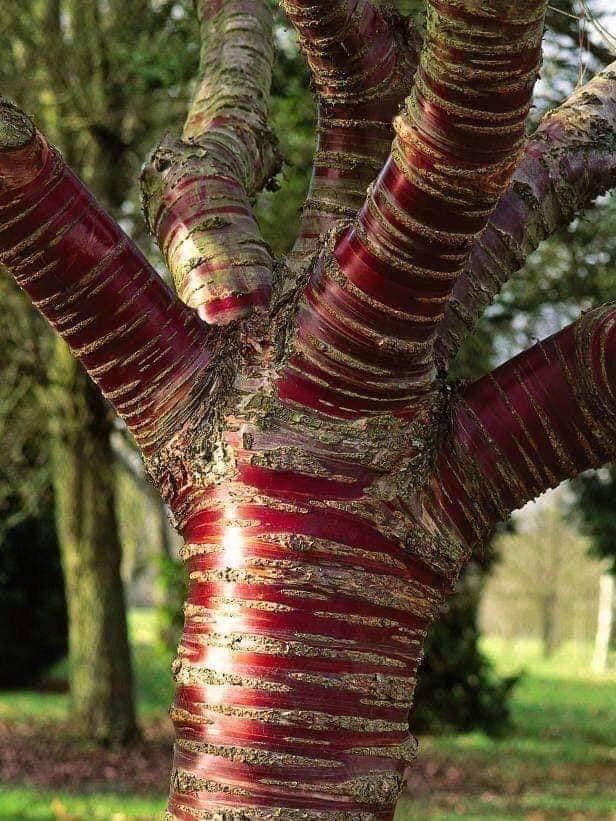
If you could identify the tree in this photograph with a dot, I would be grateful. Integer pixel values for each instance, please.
(545, 582)
(327, 479)
(33, 628)
(32, 606)
(596, 498)
(74, 63)
(25, 346)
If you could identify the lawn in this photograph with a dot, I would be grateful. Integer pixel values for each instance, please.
(558, 761)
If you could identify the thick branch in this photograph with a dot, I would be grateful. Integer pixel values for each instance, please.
(362, 64)
(570, 160)
(369, 315)
(545, 416)
(147, 352)
(197, 190)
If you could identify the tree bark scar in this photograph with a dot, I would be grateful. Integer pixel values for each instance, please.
(22, 154)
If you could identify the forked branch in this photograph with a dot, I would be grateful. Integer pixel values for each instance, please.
(197, 191)
(570, 160)
(545, 416)
(370, 313)
(148, 353)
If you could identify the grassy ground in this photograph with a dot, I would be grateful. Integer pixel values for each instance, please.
(557, 763)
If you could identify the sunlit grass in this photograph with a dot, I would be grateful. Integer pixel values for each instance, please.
(556, 763)
(41, 805)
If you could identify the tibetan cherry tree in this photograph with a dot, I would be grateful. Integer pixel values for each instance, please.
(295, 414)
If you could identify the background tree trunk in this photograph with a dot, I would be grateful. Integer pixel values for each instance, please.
(548, 623)
(605, 622)
(101, 682)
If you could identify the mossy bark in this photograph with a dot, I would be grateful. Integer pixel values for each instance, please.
(101, 682)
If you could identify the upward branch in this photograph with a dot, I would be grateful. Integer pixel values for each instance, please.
(370, 313)
(147, 352)
(197, 191)
(362, 63)
(570, 160)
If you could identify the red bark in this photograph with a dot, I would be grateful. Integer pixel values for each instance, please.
(362, 61)
(328, 483)
(569, 161)
(547, 415)
(305, 619)
(370, 315)
(143, 347)
(198, 190)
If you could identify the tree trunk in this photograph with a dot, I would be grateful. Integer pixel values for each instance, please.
(101, 685)
(548, 624)
(605, 622)
(297, 665)
(328, 482)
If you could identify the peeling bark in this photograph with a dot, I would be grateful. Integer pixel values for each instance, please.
(362, 60)
(148, 354)
(197, 190)
(371, 309)
(570, 160)
(329, 484)
(308, 606)
(548, 414)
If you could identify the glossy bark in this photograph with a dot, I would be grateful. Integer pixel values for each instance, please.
(569, 161)
(328, 482)
(197, 191)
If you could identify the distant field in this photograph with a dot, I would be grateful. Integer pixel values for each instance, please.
(559, 761)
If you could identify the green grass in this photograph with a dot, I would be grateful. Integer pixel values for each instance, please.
(558, 761)
(39, 805)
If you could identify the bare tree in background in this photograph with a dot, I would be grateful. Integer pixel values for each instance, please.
(545, 584)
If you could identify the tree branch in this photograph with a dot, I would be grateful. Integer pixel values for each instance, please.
(369, 315)
(197, 190)
(147, 352)
(570, 160)
(362, 62)
(546, 415)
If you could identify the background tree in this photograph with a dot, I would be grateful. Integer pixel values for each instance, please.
(544, 584)
(101, 79)
(33, 630)
(596, 503)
